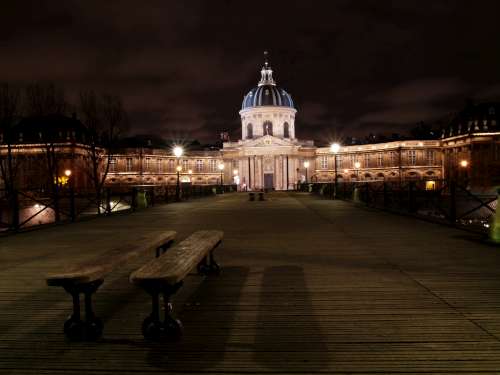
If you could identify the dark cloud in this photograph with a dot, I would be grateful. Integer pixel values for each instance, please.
(183, 67)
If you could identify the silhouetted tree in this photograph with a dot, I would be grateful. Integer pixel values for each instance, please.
(105, 121)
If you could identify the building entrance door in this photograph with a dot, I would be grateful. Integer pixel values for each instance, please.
(268, 181)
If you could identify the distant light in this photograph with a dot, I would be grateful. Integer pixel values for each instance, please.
(178, 151)
(306, 164)
(346, 170)
(221, 166)
(464, 163)
(235, 172)
(487, 225)
(357, 165)
(179, 168)
(190, 171)
(334, 147)
(67, 172)
(36, 205)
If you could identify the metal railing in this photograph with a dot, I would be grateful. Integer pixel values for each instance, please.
(23, 209)
(444, 201)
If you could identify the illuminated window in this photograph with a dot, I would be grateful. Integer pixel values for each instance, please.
(367, 160)
(430, 185)
(199, 165)
(112, 164)
(212, 165)
(286, 130)
(412, 157)
(129, 164)
(185, 165)
(430, 155)
(171, 164)
(158, 162)
(323, 162)
(148, 163)
(267, 128)
(394, 158)
(249, 131)
(380, 159)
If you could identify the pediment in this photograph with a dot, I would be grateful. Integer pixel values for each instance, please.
(267, 141)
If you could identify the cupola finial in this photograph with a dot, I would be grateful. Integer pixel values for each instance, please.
(266, 72)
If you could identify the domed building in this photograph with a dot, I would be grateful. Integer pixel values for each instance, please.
(269, 156)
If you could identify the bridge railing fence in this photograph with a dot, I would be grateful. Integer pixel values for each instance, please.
(445, 201)
(32, 207)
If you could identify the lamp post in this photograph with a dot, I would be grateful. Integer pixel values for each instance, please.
(178, 152)
(334, 148)
(357, 165)
(464, 164)
(306, 166)
(221, 169)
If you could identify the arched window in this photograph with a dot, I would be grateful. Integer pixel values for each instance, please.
(249, 131)
(286, 130)
(267, 128)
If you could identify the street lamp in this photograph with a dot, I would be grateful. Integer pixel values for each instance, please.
(306, 166)
(221, 169)
(178, 186)
(67, 172)
(335, 148)
(357, 165)
(464, 164)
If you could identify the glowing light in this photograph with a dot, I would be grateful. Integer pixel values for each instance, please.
(190, 171)
(67, 172)
(346, 170)
(179, 168)
(357, 165)
(334, 147)
(178, 151)
(464, 163)
(235, 172)
(306, 164)
(430, 185)
(221, 166)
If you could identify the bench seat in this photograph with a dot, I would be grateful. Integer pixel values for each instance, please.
(165, 275)
(86, 277)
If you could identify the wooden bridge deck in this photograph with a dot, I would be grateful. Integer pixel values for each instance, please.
(308, 286)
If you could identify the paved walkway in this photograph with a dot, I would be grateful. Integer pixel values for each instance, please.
(308, 286)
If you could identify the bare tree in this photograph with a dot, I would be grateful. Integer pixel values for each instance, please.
(105, 121)
(10, 112)
(41, 101)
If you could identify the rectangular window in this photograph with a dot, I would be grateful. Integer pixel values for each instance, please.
(394, 158)
(323, 162)
(159, 165)
(353, 160)
(430, 157)
(148, 164)
(112, 165)
(171, 165)
(129, 164)
(367, 161)
(199, 165)
(340, 161)
(412, 157)
(185, 165)
(212, 165)
(380, 159)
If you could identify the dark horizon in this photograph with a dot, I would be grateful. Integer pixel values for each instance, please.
(182, 70)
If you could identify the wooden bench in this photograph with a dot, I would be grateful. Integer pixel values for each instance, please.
(85, 278)
(251, 196)
(164, 276)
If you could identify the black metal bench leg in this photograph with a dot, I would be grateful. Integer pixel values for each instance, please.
(93, 325)
(203, 267)
(73, 326)
(173, 327)
(152, 327)
(214, 266)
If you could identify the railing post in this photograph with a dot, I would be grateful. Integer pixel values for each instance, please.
(15, 210)
(453, 202)
(72, 209)
(385, 202)
(133, 203)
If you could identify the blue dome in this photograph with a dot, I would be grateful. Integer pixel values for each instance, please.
(267, 95)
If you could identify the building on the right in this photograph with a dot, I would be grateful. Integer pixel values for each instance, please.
(470, 146)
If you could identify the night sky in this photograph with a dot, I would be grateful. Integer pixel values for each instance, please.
(183, 67)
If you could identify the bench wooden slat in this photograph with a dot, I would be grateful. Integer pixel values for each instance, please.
(175, 264)
(96, 268)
